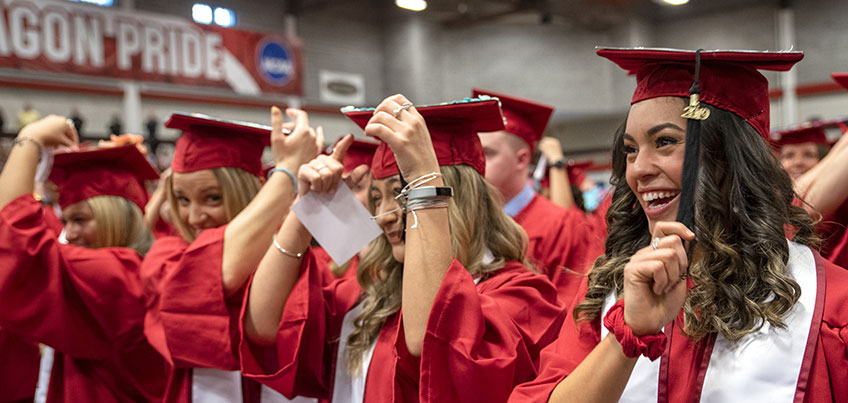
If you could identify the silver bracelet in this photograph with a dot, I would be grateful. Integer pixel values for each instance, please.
(283, 250)
(427, 192)
(19, 141)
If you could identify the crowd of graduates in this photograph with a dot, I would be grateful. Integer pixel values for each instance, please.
(711, 270)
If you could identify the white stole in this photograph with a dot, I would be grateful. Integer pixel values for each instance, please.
(45, 366)
(763, 366)
(347, 389)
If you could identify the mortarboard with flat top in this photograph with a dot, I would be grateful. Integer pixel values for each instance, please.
(808, 132)
(840, 78)
(725, 79)
(113, 171)
(523, 118)
(209, 142)
(453, 128)
(360, 153)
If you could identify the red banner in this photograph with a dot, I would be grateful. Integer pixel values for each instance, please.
(82, 39)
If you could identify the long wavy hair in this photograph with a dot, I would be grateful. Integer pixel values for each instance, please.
(238, 187)
(120, 223)
(477, 223)
(743, 215)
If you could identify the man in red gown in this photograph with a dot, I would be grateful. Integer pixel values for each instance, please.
(560, 242)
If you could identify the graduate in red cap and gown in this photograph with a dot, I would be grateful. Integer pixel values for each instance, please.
(443, 309)
(194, 282)
(820, 182)
(561, 243)
(800, 148)
(700, 296)
(824, 190)
(84, 299)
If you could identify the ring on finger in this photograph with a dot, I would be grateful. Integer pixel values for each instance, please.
(320, 167)
(404, 107)
(655, 243)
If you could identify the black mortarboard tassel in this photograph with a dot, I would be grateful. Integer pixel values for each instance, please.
(691, 158)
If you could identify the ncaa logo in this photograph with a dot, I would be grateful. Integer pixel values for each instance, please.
(274, 61)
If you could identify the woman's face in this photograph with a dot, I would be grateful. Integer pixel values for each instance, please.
(382, 194)
(797, 159)
(200, 200)
(80, 225)
(654, 142)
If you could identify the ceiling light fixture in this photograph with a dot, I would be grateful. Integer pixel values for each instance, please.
(675, 2)
(414, 5)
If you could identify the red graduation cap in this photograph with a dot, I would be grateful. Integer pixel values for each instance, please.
(840, 78)
(453, 130)
(113, 171)
(209, 142)
(577, 171)
(728, 78)
(360, 153)
(810, 132)
(523, 118)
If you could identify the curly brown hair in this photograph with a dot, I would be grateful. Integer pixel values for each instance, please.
(476, 206)
(743, 213)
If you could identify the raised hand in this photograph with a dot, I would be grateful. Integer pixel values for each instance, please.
(405, 131)
(551, 148)
(301, 145)
(654, 282)
(323, 173)
(52, 131)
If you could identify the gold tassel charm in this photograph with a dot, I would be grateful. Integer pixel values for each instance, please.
(695, 110)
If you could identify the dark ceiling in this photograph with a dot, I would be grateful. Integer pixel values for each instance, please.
(595, 15)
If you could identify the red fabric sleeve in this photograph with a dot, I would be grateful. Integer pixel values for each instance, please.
(51, 220)
(828, 376)
(82, 302)
(562, 243)
(492, 331)
(558, 359)
(18, 368)
(303, 360)
(189, 319)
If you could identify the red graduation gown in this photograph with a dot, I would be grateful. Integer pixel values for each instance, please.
(598, 218)
(51, 220)
(85, 303)
(828, 377)
(832, 231)
(559, 239)
(190, 320)
(490, 331)
(19, 363)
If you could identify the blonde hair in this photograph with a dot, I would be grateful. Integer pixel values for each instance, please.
(120, 223)
(237, 188)
(477, 222)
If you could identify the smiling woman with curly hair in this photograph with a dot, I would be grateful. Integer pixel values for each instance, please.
(698, 270)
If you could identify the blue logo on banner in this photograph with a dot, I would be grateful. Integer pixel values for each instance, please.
(275, 62)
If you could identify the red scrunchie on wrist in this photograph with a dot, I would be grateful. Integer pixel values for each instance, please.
(651, 346)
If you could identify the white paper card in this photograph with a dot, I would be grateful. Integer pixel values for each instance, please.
(338, 221)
